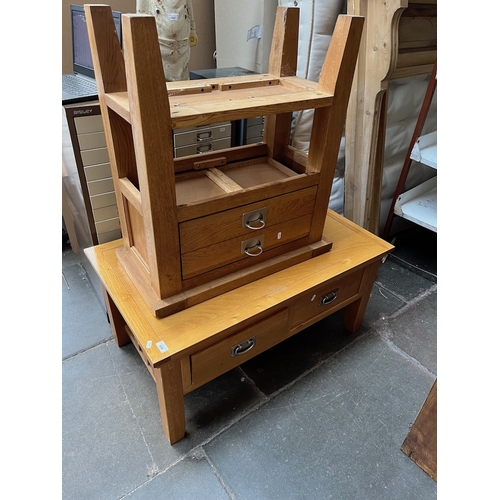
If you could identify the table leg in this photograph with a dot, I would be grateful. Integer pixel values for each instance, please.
(168, 378)
(116, 321)
(354, 313)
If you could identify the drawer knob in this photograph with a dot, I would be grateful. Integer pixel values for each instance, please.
(329, 297)
(254, 250)
(242, 348)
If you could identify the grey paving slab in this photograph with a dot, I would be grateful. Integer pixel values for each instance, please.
(104, 453)
(336, 433)
(208, 409)
(415, 331)
(84, 321)
(190, 479)
(382, 303)
(401, 281)
(112, 423)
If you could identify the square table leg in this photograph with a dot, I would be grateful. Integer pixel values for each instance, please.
(115, 320)
(168, 379)
(354, 313)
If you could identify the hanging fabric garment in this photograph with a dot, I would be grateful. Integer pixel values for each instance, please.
(176, 34)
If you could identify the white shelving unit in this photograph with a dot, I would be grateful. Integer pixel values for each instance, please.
(425, 150)
(419, 204)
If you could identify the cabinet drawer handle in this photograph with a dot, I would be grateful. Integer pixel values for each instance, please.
(204, 149)
(329, 298)
(254, 250)
(256, 219)
(242, 348)
(203, 136)
(256, 223)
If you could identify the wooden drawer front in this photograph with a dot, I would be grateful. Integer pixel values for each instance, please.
(205, 231)
(323, 300)
(229, 251)
(240, 347)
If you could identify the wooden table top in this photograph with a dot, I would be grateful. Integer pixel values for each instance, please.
(202, 324)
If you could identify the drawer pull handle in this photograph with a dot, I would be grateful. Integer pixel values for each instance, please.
(204, 149)
(254, 250)
(256, 219)
(329, 298)
(203, 136)
(242, 348)
(256, 223)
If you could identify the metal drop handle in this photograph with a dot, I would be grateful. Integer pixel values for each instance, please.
(259, 223)
(242, 348)
(329, 297)
(250, 250)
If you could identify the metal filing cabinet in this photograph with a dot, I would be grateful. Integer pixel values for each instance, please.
(254, 130)
(203, 139)
(86, 130)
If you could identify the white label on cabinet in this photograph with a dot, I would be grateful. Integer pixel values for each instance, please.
(279, 235)
(149, 343)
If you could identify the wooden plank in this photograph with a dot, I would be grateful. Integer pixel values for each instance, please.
(365, 131)
(238, 85)
(385, 54)
(235, 154)
(132, 194)
(199, 109)
(421, 442)
(282, 62)
(223, 181)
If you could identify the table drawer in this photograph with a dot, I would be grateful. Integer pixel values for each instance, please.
(240, 347)
(245, 221)
(325, 299)
(248, 248)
